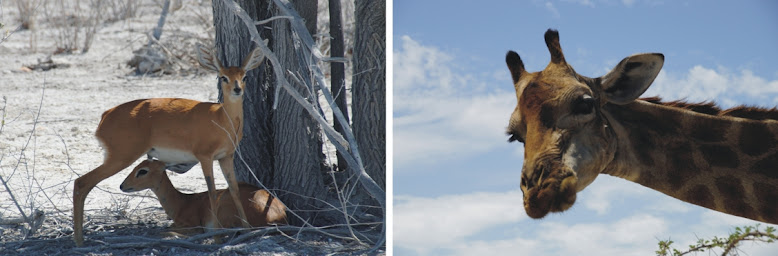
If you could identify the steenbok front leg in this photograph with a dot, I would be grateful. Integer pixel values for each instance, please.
(228, 169)
(207, 164)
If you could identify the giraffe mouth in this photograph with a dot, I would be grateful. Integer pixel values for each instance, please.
(553, 193)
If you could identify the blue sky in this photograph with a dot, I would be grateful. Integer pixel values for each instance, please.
(456, 179)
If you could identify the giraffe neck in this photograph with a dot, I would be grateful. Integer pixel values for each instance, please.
(722, 163)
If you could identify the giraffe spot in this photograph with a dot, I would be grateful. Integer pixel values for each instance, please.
(700, 195)
(644, 147)
(756, 138)
(547, 116)
(767, 194)
(680, 161)
(768, 166)
(718, 155)
(708, 130)
(646, 130)
(531, 95)
(731, 189)
(664, 126)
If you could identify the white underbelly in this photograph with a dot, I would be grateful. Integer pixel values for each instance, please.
(172, 156)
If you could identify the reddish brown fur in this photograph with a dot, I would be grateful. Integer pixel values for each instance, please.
(193, 210)
(178, 131)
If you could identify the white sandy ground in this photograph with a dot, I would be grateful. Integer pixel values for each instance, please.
(71, 101)
(61, 145)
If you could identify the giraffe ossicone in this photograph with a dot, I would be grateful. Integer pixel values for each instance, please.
(575, 127)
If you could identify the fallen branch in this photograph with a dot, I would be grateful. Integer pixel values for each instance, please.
(121, 242)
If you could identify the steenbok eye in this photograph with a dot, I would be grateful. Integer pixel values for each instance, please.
(141, 172)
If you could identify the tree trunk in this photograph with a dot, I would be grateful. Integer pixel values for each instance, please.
(282, 146)
(297, 140)
(369, 87)
(337, 71)
(233, 43)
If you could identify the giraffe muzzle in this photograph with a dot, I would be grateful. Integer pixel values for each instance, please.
(549, 190)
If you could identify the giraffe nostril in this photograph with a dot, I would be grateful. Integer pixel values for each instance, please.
(529, 181)
(237, 90)
(536, 177)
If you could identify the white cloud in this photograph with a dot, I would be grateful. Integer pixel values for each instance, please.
(451, 224)
(509, 247)
(628, 2)
(608, 190)
(442, 112)
(628, 236)
(418, 67)
(456, 224)
(423, 223)
(582, 2)
(550, 7)
(605, 190)
(704, 84)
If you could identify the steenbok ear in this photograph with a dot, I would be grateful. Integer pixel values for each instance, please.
(208, 59)
(631, 77)
(254, 58)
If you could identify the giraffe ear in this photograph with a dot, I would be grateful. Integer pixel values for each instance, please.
(515, 65)
(631, 77)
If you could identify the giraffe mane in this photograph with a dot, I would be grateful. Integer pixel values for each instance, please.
(710, 108)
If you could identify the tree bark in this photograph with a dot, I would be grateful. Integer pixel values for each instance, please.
(281, 147)
(297, 140)
(369, 87)
(337, 70)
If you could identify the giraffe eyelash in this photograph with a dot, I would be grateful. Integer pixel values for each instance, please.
(514, 137)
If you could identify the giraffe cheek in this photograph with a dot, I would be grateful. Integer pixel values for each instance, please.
(567, 191)
(586, 158)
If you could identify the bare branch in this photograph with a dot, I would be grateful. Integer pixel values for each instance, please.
(351, 156)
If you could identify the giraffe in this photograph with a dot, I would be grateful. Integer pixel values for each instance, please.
(575, 127)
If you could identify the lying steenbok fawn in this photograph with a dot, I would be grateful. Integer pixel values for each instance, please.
(179, 132)
(190, 212)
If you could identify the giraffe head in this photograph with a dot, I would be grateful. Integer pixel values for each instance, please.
(559, 118)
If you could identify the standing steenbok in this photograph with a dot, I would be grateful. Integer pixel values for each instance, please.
(179, 132)
(190, 212)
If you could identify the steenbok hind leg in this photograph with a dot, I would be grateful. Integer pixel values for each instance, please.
(228, 169)
(84, 185)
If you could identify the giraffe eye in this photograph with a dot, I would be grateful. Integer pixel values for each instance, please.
(223, 79)
(583, 105)
(515, 137)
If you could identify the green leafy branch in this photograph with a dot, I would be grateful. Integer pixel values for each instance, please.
(728, 244)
